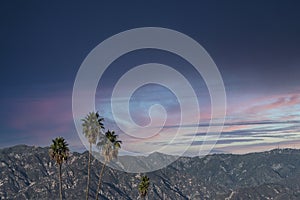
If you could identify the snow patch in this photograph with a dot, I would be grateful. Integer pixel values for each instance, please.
(276, 166)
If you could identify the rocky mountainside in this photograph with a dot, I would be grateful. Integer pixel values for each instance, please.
(28, 173)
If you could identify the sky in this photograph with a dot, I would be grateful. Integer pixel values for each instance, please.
(254, 44)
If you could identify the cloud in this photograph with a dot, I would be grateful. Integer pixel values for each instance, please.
(268, 106)
(240, 124)
(225, 141)
(267, 103)
(38, 120)
(263, 146)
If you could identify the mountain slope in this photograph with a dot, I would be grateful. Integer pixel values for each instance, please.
(28, 173)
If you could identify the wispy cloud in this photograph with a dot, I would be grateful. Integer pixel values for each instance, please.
(266, 120)
(276, 103)
(40, 119)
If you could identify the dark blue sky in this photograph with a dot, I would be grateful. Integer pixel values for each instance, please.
(255, 45)
(48, 41)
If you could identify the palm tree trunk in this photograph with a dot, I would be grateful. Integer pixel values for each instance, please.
(100, 177)
(89, 169)
(141, 197)
(60, 182)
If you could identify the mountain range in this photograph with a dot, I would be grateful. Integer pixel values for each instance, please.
(26, 172)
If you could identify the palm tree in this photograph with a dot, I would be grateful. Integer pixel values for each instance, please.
(144, 186)
(92, 128)
(109, 145)
(59, 151)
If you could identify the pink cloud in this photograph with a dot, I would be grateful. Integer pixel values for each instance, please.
(257, 108)
(41, 119)
(281, 101)
(293, 100)
(235, 128)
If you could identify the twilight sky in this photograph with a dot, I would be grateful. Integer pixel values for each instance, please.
(255, 45)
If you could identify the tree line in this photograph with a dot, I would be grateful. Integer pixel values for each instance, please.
(108, 144)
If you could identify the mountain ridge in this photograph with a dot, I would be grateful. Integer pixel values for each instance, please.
(26, 172)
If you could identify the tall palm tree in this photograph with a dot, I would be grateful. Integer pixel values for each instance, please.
(59, 151)
(92, 128)
(109, 146)
(144, 186)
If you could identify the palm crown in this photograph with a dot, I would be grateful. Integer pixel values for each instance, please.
(59, 150)
(144, 185)
(110, 145)
(92, 126)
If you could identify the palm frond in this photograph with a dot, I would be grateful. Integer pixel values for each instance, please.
(59, 150)
(92, 126)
